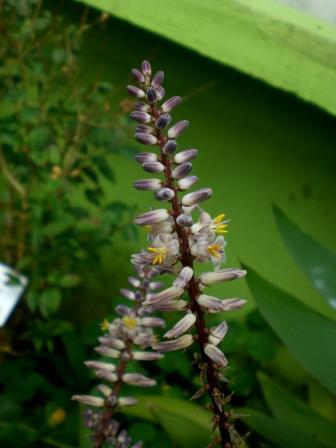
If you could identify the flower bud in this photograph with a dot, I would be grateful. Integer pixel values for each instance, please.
(153, 167)
(176, 130)
(135, 91)
(166, 295)
(98, 365)
(141, 117)
(88, 400)
(184, 220)
(186, 182)
(152, 217)
(138, 76)
(160, 93)
(163, 121)
(184, 277)
(215, 354)
(148, 184)
(152, 322)
(181, 170)
(146, 68)
(170, 104)
(223, 275)
(127, 401)
(157, 79)
(176, 344)
(169, 147)
(151, 95)
(181, 326)
(146, 356)
(165, 194)
(196, 197)
(136, 379)
(143, 107)
(144, 129)
(145, 139)
(107, 351)
(185, 156)
(143, 157)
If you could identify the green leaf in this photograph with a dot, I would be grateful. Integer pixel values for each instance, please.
(277, 432)
(70, 281)
(310, 336)
(185, 423)
(318, 262)
(255, 40)
(49, 301)
(290, 410)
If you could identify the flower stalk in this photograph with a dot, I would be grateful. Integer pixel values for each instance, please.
(122, 338)
(177, 242)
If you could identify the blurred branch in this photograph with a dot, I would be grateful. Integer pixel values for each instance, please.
(10, 176)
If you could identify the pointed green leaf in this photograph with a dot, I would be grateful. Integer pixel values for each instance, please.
(318, 262)
(277, 432)
(290, 410)
(310, 336)
(186, 423)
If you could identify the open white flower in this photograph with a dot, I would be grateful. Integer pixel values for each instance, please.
(206, 225)
(206, 249)
(164, 250)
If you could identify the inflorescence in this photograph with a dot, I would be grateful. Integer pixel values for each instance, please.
(120, 342)
(178, 239)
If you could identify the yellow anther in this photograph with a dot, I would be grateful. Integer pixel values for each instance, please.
(130, 322)
(160, 254)
(105, 325)
(147, 228)
(56, 418)
(219, 218)
(214, 250)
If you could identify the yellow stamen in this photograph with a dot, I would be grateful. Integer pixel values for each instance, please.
(219, 218)
(105, 325)
(221, 228)
(147, 228)
(130, 322)
(214, 250)
(160, 254)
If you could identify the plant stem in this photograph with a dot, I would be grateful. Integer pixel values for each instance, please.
(193, 292)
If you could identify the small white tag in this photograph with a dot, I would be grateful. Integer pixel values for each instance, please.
(12, 285)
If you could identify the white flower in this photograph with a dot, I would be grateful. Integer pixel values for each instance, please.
(155, 230)
(164, 249)
(205, 224)
(206, 250)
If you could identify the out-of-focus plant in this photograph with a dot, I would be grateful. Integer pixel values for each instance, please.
(55, 136)
(309, 336)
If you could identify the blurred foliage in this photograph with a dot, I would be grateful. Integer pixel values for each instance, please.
(54, 221)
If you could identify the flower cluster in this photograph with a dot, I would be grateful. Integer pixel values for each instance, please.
(119, 345)
(180, 235)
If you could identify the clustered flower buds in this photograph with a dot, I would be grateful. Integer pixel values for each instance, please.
(126, 338)
(181, 235)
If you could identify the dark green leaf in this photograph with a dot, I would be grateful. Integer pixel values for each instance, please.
(49, 301)
(310, 336)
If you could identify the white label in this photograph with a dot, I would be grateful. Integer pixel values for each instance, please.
(12, 285)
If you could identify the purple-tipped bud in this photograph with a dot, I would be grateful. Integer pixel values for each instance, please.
(184, 277)
(164, 194)
(146, 68)
(170, 104)
(157, 79)
(127, 293)
(143, 107)
(135, 282)
(160, 93)
(153, 167)
(218, 333)
(187, 182)
(146, 139)
(184, 220)
(166, 295)
(138, 76)
(215, 354)
(148, 184)
(107, 351)
(143, 157)
(223, 275)
(215, 305)
(88, 400)
(141, 117)
(136, 379)
(169, 147)
(152, 322)
(176, 344)
(151, 95)
(152, 217)
(171, 305)
(123, 309)
(185, 156)
(98, 365)
(118, 344)
(182, 326)
(176, 130)
(108, 376)
(136, 92)
(105, 390)
(196, 197)
(146, 356)
(182, 170)
(155, 285)
(163, 121)
(144, 129)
